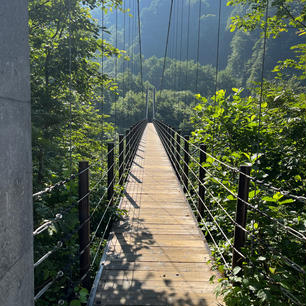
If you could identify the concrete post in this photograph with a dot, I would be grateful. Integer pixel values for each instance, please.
(16, 225)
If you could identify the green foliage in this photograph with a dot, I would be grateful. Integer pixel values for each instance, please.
(68, 126)
(285, 13)
(229, 126)
(270, 136)
(283, 16)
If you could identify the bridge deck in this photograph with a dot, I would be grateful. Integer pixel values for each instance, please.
(156, 255)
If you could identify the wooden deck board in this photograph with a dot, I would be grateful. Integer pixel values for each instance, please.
(156, 254)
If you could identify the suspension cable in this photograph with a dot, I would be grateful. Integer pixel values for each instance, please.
(262, 77)
(289, 262)
(140, 48)
(290, 230)
(74, 176)
(181, 44)
(217, 66)
(78, 227)
(166, 46)
(198, 45)
(176, 77)
(102, 68)
(59, 216)
(124, 45)
(254, 179)
(187, 50)
(116, 62)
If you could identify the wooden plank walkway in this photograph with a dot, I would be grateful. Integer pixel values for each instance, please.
(156, 255)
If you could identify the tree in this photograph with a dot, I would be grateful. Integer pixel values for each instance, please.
(68, 126)
(282, 16)
(64, 39)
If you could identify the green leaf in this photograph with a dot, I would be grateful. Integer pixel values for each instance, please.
(272, 270)
(286, 201)
(277, 196)
(210, 159)
(269, 199)
(212, 278)
(262, 295)
(75, 303)
(252, 288)
(236, 270)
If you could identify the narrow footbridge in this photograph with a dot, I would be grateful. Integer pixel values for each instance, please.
(155, 255)
(141, 224)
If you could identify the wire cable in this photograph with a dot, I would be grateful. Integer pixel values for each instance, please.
(262, 77)
(166, 46)
(46, 256)
(73, 176)
(287, 261)
(181, 45)
(102, 68)
(140, 48)
(124, 45)
(46, 287)
(254, 179)
(290, 230)
(198, 44)
(187, 50)
(196, 192)
(204, 222)
(104, 213)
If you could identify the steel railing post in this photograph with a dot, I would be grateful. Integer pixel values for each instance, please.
(178, 153)
(121, 159)
(241, 214)
(201, 180)
(84, 231)
(110, 172)
(186, 162)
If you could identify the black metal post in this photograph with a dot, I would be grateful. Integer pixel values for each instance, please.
(166, 133)
(178, 153)
(172, 133)
(201, 180)
(241, 214)
(84, 231)
(127, 148)
(172, 148)
(132, 147)
(168, 141)
(121, 159)
(110, 172)
(186, 162)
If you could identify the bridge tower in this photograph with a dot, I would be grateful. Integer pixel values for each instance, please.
(16, 225)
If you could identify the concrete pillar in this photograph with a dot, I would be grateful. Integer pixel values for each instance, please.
(16, 225)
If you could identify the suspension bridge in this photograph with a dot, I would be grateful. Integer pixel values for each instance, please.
(148, 232)
(156, 253)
